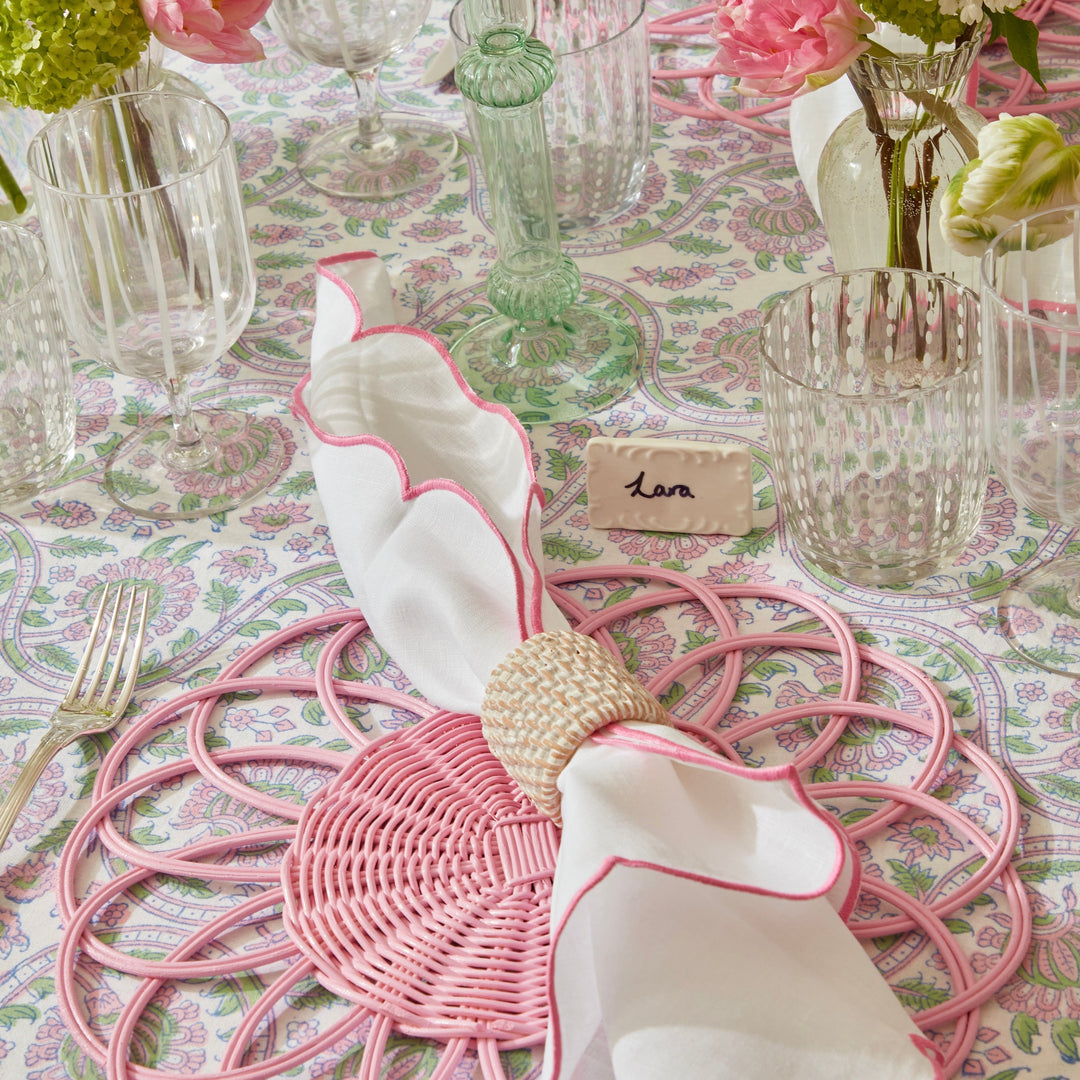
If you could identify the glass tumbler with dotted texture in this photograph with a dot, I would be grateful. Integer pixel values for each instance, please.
(871, 384)
(37, 402)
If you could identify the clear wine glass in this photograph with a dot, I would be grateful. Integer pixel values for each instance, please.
(140, 206)
(380, 155)
(1031, 342)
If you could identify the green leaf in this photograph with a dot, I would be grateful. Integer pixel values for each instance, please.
(539, 397)
(9, 1014)
(293, 208)
(562, 549)
(279, 607)
(1039, 871)
(794, 262)
(916, 994)
(561, 464)
(701, 395)
(281, 260)
(1022, 37)
(55, 838)
(146, 836)
(1060, 787)
(689, 244)
(1015, 718)
(257, 627)
(673, 695)
(72, 545)
(914, 880)
(145, 807)
(1063, 1033)
(1019, 745)
(1023, 1029)
(219, 598)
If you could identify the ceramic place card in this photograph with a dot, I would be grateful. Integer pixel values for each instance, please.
(669, 485)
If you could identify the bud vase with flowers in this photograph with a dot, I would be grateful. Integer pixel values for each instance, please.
(884, 171)
(54, 55)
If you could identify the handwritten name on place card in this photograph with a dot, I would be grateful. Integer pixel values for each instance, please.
(669, 485)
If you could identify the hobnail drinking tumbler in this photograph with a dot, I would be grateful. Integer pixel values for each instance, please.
(871, 387)
(37, 402)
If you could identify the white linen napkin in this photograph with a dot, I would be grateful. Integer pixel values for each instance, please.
(697, 908)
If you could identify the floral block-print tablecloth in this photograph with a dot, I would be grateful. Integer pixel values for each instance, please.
(722, 228)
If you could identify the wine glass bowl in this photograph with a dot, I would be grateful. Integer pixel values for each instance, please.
(141, 211)
(378, 155)
(1031, 339)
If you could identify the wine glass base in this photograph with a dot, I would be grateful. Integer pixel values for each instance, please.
(1039, 614)
(547, 373)
(412, 152)
(246, 454)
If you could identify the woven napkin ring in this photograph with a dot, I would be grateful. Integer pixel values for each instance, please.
(549, 695)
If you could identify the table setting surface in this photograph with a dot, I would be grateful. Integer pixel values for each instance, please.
(261, 682)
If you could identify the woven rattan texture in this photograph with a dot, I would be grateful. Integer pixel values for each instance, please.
(414, 859)
(419, 885)
(548, 696)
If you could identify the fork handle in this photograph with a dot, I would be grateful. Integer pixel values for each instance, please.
(51, 742)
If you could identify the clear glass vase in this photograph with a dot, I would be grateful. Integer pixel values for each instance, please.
(884, 170)
(149, 73)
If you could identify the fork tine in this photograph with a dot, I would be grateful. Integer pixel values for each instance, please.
(121, 648)
(88, 652)
(99, 671)
(128, 687)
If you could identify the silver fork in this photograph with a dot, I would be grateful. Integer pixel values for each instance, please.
(86, 711)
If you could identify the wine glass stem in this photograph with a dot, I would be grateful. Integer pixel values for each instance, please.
(371, 135)
(189, 449)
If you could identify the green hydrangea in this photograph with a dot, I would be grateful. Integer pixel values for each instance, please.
(923, 19)
(54, 52)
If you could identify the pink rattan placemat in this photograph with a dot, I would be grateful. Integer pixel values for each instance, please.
(407, 876)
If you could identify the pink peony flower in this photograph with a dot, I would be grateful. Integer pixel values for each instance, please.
(212, 31)
(781, 47)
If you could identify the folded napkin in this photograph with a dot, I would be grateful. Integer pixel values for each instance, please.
(697, 915)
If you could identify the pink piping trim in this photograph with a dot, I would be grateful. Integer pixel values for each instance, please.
(634, 739)
(529, 597)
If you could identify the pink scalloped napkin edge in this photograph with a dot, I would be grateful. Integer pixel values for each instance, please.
(698, 909)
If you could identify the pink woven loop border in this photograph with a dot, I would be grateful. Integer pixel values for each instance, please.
(695, 23)
(430, 789)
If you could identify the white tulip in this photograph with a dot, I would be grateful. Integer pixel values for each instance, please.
(1023, 166)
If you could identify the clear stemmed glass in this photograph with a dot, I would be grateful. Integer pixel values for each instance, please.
(140, 207)
(380, 155)
(1031, 342)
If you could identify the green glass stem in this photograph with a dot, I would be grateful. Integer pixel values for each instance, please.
(505, 73)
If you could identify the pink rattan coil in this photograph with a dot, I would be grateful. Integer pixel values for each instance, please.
(415, 881)
(419, 885)
(1016, 93)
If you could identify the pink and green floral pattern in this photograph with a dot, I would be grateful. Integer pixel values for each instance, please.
(722, 229)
